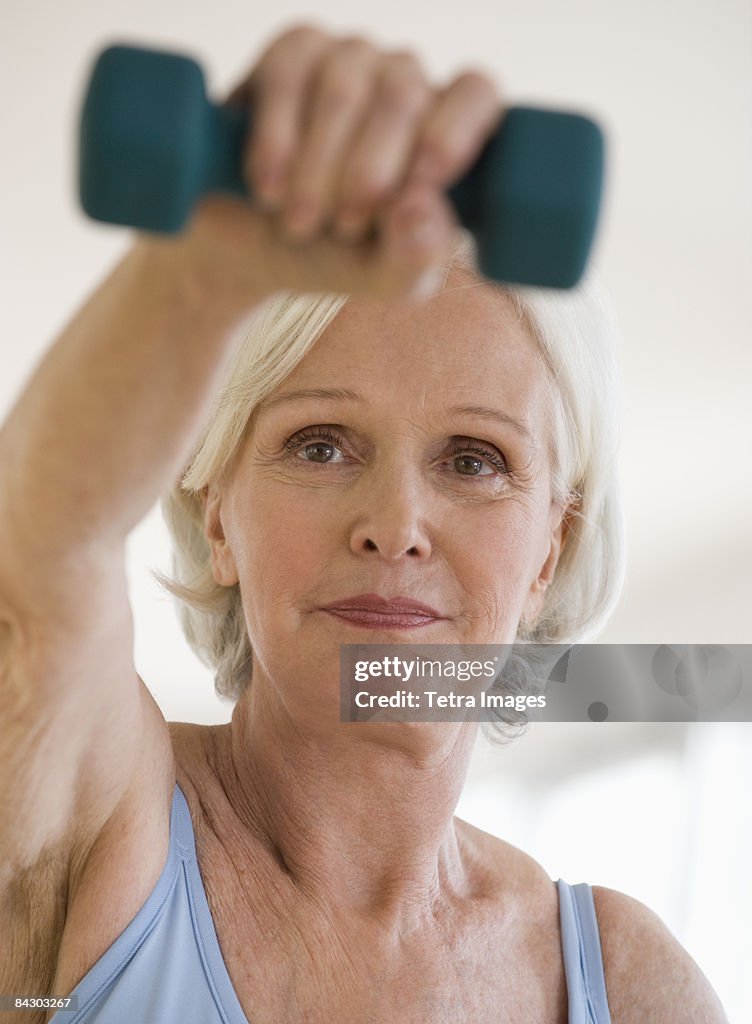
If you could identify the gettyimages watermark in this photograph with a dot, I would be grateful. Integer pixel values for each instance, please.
(519, 683)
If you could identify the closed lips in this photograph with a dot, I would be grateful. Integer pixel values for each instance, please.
(380, 605)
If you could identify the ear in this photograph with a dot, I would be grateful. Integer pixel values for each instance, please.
(537, 593)
(224, 570)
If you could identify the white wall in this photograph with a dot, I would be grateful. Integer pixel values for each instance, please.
(670, 80)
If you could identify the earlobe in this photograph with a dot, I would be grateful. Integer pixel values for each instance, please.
(223, 566)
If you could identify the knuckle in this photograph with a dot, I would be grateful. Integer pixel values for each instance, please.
(403, 64)
(403, 88)
(270, 153)
(285, 52)
(436, 148)
(352, 47)
(301, 32)
(341, 75)
(337, 86)
(270, 131)
(278, 87)
(277, 80)
(367, 186)
(400, 97)
(271, 150)
(478, 83)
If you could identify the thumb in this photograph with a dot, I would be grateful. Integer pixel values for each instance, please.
(418, 234)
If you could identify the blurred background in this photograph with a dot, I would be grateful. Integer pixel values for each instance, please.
(660, 811)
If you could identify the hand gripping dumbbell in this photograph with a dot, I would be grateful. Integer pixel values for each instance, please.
(151, 145)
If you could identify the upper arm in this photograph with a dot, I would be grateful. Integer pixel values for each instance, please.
(649, 974)
(79, 733)
(78, 724)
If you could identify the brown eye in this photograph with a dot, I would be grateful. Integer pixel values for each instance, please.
(322, 451)
(322, 442)
(469, 465)
(470, 457)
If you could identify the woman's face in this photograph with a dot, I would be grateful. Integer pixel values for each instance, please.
(397, 484)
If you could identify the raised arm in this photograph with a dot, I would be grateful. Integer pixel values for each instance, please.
(108, 417)
(367, 146)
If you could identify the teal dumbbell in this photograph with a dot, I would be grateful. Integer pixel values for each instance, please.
(151, 144)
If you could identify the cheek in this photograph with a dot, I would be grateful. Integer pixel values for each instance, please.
(495, 566)
(277, 534)
(502, 548)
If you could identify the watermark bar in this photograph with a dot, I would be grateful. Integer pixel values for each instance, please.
(518, 683)
(34, 1003)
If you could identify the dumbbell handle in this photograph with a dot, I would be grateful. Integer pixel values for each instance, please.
(151, 144)
(229, 127)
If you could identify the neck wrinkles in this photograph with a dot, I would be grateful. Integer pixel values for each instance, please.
(359, 818)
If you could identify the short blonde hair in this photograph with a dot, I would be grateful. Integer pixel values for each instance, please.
(576, 337)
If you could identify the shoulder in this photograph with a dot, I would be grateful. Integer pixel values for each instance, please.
(649, 974)
(509, 878)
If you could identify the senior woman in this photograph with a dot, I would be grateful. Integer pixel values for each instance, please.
(431, 438)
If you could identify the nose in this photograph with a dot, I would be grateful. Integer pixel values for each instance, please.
(392, 519)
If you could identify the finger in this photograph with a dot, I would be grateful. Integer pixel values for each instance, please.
(382, 152)
(339, 96)
(417, 233)
(276, 91)
(463, 118)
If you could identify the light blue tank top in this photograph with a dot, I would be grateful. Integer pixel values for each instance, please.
(166, 967)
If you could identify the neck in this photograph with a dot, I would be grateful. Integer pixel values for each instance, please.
(361, 815)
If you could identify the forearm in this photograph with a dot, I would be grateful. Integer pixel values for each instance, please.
(112, 411)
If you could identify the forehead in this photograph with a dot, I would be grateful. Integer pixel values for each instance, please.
(466, 345)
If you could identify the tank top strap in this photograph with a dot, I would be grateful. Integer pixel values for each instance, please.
(583, 961)
(204, 931)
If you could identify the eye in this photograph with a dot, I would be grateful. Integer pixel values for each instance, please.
(321, 440)
(470, 455)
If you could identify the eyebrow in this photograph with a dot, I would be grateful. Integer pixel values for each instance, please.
(346, 395)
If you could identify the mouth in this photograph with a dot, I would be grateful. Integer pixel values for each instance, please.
(371, 611)
(380, 620)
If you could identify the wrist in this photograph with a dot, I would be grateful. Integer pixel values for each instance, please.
(190, 280)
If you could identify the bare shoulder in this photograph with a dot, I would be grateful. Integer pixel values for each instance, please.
(649, 974)
(511, 879)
